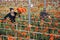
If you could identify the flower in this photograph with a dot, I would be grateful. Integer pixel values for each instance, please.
(58, 31)
(24, 33)
(21, 10)
(45, 34)
(20, 38)
(28, 28)
(53, 11)
(34, 9)
(0, 20)
(7, 27)
(40, 5)
(53, 28)
(42, 22)
(18, 32)
(28, 37)
(57, 14)
(46, 29)
(36, 29)
(4, 20)
(57, 36)
(24, 22)
(10, 37)
(51, 37)
(9, 22)
(49, 23)
(56, 24)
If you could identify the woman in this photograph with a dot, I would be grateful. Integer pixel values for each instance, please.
(44, 14)
(11, 15)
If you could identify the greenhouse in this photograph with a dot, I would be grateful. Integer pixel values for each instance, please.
(28, 23)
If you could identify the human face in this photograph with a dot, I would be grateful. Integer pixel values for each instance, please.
(12, 11)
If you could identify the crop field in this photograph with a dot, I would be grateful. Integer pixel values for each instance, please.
(47, 29)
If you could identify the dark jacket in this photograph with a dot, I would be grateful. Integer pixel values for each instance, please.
(43, 14)
(12, 18)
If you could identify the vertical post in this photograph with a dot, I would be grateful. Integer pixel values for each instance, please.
(45, 4)
(52, 2)
(29, 20)
(15, 1)
(29, 15)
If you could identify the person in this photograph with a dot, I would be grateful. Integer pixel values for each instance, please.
(11, 15)
(44, 14)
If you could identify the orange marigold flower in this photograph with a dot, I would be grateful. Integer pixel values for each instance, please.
(51, 37)
(20, 38)
(28, 37)
(36, 29)
(10, 37)
(7, 27)
(24, 33)
(58, 31)
(0, 20)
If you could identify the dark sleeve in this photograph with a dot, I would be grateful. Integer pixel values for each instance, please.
(6, 16)
(47, 14)
(42, 13)
(17, 14)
